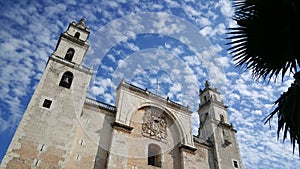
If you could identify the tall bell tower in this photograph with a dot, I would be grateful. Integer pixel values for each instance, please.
(216, 129)
(46, 132)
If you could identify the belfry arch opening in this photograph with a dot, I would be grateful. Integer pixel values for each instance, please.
(69, 55)
(77, 35)
(66, 80)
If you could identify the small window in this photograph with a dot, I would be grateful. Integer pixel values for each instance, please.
(81, 142)
(36, 162)
(78, 157)
(66, 80)
(235, 164)
(154, 155)
(42, 148)
(69, 55)
(47, 103)
(77, 35)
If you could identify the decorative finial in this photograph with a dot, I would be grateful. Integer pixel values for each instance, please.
(207, 84)
(82, 22)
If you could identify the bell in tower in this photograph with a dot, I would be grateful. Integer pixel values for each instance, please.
(66, 80)
(69, 55)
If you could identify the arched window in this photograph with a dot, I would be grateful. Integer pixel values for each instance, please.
(154, 155)
(77, 34)
(66, 80)
(69, 54)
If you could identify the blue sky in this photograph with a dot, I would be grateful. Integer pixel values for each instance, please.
(177, 44)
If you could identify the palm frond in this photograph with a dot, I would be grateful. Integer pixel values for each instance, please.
(288, 112)
(267, 42)
(271, 40)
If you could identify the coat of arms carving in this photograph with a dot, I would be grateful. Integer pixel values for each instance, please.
(154, 125)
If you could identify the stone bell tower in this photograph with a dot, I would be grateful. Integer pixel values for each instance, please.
(46, 132)
(216, 129)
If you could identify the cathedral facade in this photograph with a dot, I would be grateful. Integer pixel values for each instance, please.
(62, 128)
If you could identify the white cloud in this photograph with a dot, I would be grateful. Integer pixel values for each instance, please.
(166, 25)
(191, 11)
(210, 31)
(223, 61)
(111, 57)
(172, 4)
(97, 90)
(112, 4)
(257, 112)
(192, 60)
(206, 31)
(176, 87)
(132, 46)
(203, 21)
(122, 64)
(168, 46)
(55, 9)
(226, 7)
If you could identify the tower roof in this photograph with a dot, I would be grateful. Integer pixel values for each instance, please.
(207, 87)
(81, 24)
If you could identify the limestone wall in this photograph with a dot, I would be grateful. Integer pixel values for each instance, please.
(92, 138)
(44, 136)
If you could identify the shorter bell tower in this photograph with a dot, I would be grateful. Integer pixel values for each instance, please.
(216, 129)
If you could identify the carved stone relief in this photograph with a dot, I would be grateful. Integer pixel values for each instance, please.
(154, 125)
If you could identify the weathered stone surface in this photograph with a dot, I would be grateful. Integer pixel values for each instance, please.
(76, 132)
